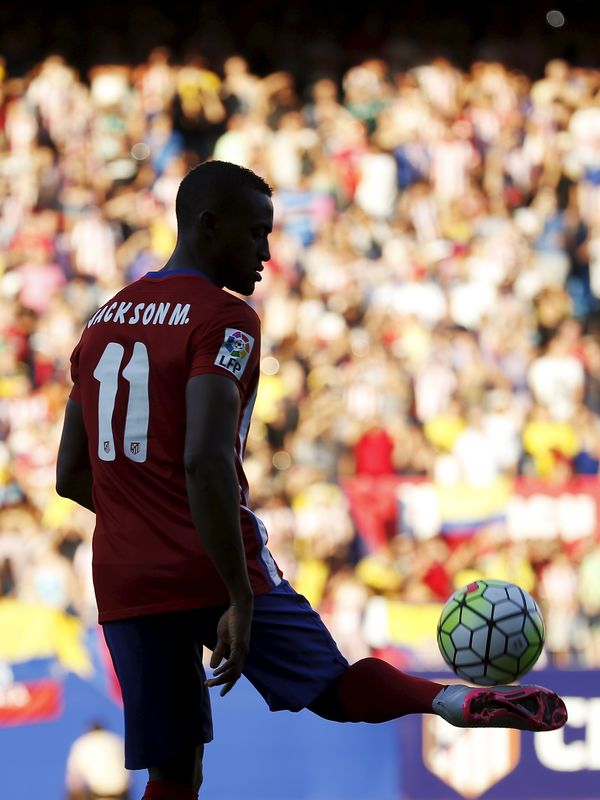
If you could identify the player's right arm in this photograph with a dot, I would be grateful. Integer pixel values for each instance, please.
(73, 469)
(212, 414)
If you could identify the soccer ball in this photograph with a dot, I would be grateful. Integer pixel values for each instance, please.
(490, 632)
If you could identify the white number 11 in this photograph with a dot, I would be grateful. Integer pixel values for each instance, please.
(136, 372)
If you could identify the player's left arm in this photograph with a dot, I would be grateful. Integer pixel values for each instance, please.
(73, 468)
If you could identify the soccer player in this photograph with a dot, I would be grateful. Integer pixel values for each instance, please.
(164, 380)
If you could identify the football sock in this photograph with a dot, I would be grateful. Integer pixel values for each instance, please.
(163, 790)
(371, 690)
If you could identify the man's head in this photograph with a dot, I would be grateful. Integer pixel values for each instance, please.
(224, 215)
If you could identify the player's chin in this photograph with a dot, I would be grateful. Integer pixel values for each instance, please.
(245, 287)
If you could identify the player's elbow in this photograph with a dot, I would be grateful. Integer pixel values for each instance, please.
(64, 481)
(62, 487)
(205, 465)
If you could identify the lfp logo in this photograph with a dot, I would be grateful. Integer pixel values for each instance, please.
(238, 345)
(234, 352)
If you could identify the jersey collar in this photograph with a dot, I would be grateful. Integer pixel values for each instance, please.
(169, 273)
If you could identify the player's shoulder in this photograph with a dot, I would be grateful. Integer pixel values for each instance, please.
(232, 307)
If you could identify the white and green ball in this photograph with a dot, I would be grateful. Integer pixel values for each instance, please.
(491, 632)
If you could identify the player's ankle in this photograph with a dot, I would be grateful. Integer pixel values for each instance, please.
(163, 790)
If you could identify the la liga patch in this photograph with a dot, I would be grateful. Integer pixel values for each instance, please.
(235, 351)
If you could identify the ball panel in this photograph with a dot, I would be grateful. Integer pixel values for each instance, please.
(472, 618)
(516, 645)
(461, 636)
(532, 606)
(446, 646)
(540, 625)
(450, 617)
(533, 629)
(466, 658)
(497, 646)
(511, 625)
(507, 663)
(516, 594)
(475, 675)
(529, 657)
(479, 642)
(506, 608)
(480, 606)
(497, 676)
(495, 594)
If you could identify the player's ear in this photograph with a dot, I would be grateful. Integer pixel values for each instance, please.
(207, 223)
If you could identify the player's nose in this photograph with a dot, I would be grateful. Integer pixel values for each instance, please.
(264, 252)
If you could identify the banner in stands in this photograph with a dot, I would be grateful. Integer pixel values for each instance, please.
(528, 508)
(442, 762)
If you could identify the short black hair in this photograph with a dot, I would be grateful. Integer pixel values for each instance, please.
(212, 181)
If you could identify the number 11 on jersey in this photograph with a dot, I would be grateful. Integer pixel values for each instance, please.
(136, 373)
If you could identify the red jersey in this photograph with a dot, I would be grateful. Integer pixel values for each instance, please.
(129, 371)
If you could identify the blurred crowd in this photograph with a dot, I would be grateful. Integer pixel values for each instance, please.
(431, 308)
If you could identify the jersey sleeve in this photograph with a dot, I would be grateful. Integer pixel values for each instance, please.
(228, 345)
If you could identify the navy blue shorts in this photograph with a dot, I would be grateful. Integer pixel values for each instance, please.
(158, 659)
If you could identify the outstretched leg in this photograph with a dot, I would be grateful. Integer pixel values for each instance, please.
(371, 690)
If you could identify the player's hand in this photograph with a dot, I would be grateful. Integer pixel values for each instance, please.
(233, 641)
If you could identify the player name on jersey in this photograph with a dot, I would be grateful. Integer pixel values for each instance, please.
(126, 313)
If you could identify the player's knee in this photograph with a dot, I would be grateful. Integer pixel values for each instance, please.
(328, 705)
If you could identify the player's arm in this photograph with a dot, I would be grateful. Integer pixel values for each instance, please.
(73, 468)
(212, 414)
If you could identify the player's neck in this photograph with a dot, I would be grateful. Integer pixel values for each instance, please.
(180, 261)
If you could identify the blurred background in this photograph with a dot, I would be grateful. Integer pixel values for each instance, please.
(429, 409)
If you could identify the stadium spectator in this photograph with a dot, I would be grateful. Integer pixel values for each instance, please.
(94, 769)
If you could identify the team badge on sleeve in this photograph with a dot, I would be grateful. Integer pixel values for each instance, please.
(234, 352)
